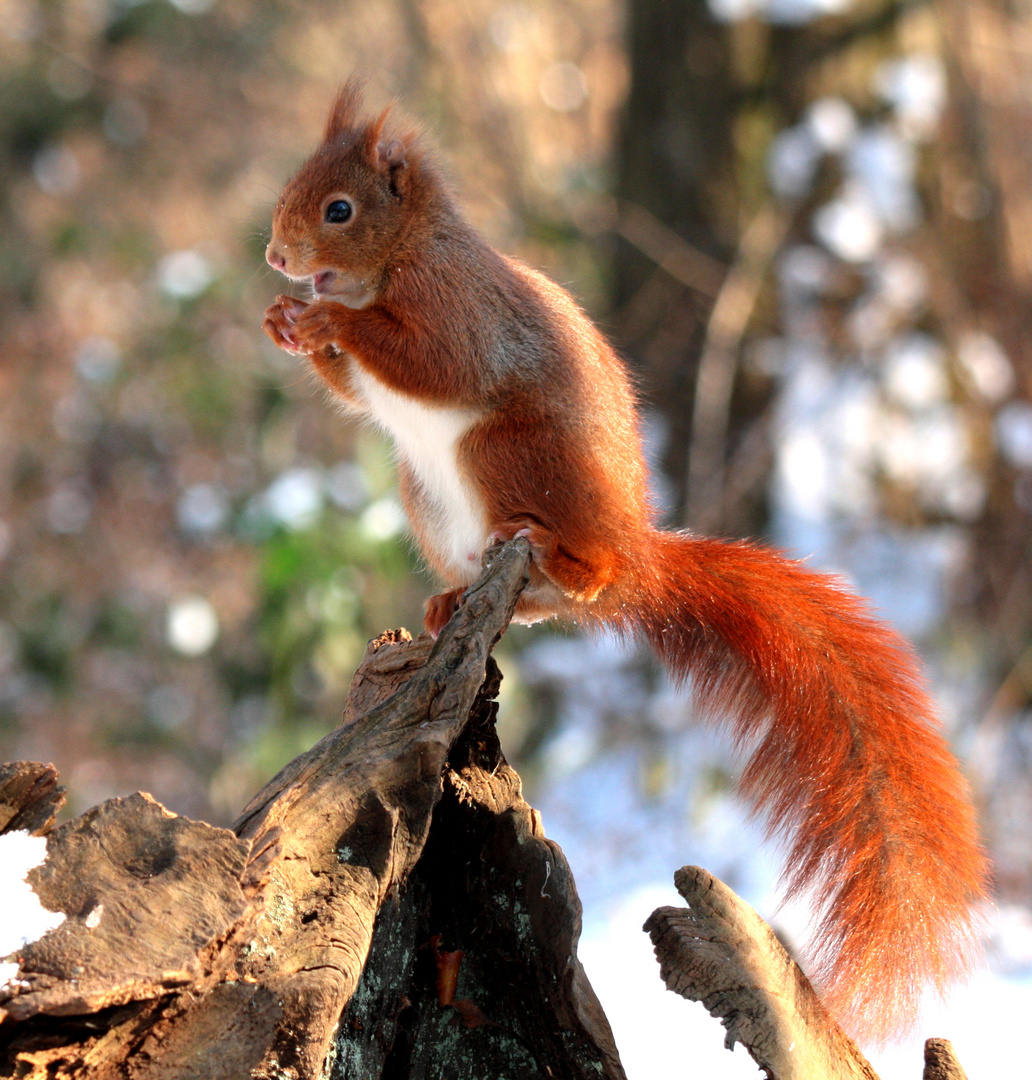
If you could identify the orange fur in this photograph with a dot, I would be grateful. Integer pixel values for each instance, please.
(847, 763)
(512, 414)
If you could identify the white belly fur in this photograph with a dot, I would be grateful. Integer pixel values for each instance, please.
(427, 438)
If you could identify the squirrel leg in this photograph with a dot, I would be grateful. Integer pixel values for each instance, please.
(569, 517)
(549, 562)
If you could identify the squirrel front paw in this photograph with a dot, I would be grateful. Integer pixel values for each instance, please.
(279, 322)
(319, 327)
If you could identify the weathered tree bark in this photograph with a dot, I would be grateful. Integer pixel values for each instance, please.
(387, 906)
(940, 1061)
(720, 952)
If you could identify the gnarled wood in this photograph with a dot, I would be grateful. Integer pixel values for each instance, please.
(147, 895)
(720, 952)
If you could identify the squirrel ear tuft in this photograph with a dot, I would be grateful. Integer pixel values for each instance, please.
(345, 109)
(371, 137)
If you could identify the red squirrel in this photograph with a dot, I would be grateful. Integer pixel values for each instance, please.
(513, 416)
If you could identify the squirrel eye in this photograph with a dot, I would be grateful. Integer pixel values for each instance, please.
(338, 211)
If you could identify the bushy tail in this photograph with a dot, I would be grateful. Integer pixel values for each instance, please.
(847, 763)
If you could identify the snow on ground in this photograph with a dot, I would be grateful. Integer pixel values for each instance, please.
(22, 917)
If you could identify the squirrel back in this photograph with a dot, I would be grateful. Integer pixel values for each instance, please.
(512, 415)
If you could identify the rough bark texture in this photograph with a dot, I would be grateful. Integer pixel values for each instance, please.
(30, 797)
(940, 1061)
(720, 952)
(387, 906)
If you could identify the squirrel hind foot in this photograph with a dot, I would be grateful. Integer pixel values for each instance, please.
(439, 609)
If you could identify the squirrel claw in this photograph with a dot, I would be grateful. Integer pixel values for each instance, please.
(279, 322)
(503, 536)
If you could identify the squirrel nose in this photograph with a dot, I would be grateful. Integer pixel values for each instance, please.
(275, 258)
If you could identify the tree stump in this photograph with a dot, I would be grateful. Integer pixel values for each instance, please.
(387, 906)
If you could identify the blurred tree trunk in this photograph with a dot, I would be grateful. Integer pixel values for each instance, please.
(675, 163)
(699, 230)
(697, 237)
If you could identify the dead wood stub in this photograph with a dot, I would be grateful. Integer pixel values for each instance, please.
(720, 952)
(190, 951)
(940, 1061)
(352, 817)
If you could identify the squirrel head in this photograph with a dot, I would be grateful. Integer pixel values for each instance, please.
(342, 216)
